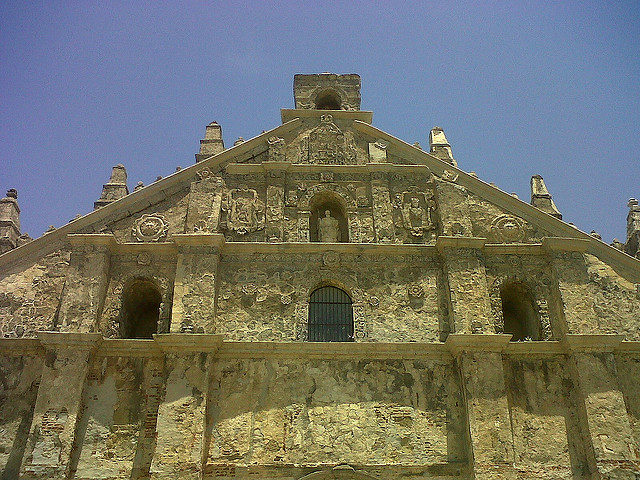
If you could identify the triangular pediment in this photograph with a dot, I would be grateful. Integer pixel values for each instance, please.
(337, 142)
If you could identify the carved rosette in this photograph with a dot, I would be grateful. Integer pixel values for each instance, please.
(245, 211)
(507, 229)
(151, 227)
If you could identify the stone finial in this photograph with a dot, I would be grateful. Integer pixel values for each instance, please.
(541, 198)
(595, 234)
(632, 247)
(327, 91)
(617, 244)
(238, 141)
(439, 146)
(115, 189)
(212, 143)
(139, 185)
(9, 221)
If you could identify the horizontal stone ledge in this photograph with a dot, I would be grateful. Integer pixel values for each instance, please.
(366, 168)
(288, 114)
(592, 343)
(188, 343)
(445, 242)
(562, 244)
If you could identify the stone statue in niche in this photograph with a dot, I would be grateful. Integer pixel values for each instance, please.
(327, 144)
(417, 211)
(245, 211)
(328, 228)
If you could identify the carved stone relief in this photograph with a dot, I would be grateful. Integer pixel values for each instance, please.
(245, 211)
(416, 211)
(327, 144)
(151, 227)
(507, 229)
(277, 149)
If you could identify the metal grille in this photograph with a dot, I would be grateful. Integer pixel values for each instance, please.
(330, 316)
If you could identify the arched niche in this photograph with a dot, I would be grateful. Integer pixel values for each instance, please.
(323, 207)
(140, 311)
(328, 100)
(519, 312)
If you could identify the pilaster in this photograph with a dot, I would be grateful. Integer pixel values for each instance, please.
(469, 301)
(180, 446)
(86, 283)
(275, 203)
(607, 422)
(382, 209)
(479, 358)
(194, 292)
(205, 201)
(58, 404)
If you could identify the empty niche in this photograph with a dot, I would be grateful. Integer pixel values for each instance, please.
(519, 312)
(140, 309)
(328, 100)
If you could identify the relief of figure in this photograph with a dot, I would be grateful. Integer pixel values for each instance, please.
(244, 210)
(417, 210)
(328, 228)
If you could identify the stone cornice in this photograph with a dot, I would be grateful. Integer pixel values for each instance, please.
(457, 343)
(443, 243)
(288, 114)
(367, 168)
(176, 343)
(561, 244)
(75, 341)
(188, 342)
(592, 343)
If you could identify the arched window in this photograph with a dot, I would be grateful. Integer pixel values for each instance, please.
(519, 312)
(328, 222)
(140, 309)
(330, 316)
(328, 100)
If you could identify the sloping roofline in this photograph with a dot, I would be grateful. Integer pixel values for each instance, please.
(161, 189)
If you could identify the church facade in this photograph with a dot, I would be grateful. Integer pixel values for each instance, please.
(323, 301)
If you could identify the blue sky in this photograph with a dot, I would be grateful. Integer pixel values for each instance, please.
(520, 88)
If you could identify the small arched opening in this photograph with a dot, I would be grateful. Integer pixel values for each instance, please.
(328, 221)
(330, 315)
(519, 312)
(140, 309)
(328, 100)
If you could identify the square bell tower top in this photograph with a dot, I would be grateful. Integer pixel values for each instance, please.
(327, 91)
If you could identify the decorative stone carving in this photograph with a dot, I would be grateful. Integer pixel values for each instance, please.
(449, 176)
(151, 227)
(144, 258)
(245, 211)
(507, 229)
(328, 228)
(277, 149)
(326, 176)
(331, 259)
(415, 290)
(327, 144)
(416, 211)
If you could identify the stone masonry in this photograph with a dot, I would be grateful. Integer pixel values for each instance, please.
(167, 334)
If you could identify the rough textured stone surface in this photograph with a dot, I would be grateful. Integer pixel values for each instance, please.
(222, 259)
